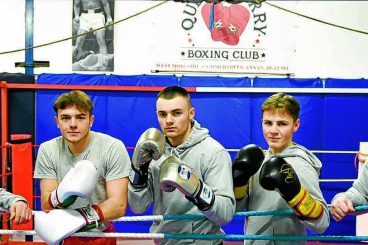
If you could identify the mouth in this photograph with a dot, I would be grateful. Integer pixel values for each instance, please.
(73, 133)
(170, 129)
(273, 139)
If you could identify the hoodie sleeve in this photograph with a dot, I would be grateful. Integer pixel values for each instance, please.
(358, 193)
(309, 178)
(140, 198)
(241, 204)
(218, 176)
(7, 199)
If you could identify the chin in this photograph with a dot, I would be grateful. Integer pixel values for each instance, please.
(72, 140)
(170, 135)
(274, 146)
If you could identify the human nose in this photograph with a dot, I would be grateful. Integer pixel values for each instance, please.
(73, 122)
(273, 129)
(169, 119)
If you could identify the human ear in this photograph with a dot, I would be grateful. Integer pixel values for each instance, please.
(56, 121)
(296, 125)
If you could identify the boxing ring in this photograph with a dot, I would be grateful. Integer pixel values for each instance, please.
(18, 155)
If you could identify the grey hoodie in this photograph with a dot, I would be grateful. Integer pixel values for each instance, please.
(7, 199)
(307, 167)
(212, 164)
(358, 193)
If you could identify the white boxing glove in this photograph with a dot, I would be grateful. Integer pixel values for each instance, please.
(80, 181)
(58, 224)
(176, 174)
(151, 145)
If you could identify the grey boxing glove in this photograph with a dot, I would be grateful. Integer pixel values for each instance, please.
(151, 145)
(176, 174)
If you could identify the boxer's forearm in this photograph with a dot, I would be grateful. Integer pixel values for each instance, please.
(116, 204)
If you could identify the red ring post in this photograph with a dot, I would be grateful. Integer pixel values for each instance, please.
(22, 168)
(4, 131)
(4, 141)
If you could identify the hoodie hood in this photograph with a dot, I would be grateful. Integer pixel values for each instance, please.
(197, 135)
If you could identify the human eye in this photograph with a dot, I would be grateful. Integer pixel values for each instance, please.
(268, 123)
(64, 118)
(177, 113)
(80, 117)
(161, 114)
(282, 124)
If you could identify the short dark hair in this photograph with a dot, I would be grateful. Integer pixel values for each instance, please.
(172, 92)
(77, 98)
(284, 102)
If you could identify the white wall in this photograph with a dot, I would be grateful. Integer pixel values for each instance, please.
(308, 48)
(328, 51)
(13, 34)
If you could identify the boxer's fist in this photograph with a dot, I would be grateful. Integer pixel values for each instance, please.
(80, 181)
(362, 157)
(109, 24)
(246, 163)
(340, 207)
(76, 19)
(20, 212)
(277, 174)
(176, 174)
(151, 145)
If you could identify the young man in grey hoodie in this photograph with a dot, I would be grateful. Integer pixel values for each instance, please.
(343, 203)
(287, 177)
(184, 171)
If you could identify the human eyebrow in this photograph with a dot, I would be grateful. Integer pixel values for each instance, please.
(177, 110)
(78, 115)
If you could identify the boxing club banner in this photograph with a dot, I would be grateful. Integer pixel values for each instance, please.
(244, 38)
(222, 38)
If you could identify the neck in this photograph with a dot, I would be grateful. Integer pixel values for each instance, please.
(178, 141)
(274, 151)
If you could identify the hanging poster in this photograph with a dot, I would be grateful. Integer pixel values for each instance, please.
(93, 32)
(223, 38)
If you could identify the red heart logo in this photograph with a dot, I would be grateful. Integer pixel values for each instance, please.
(229, 22)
